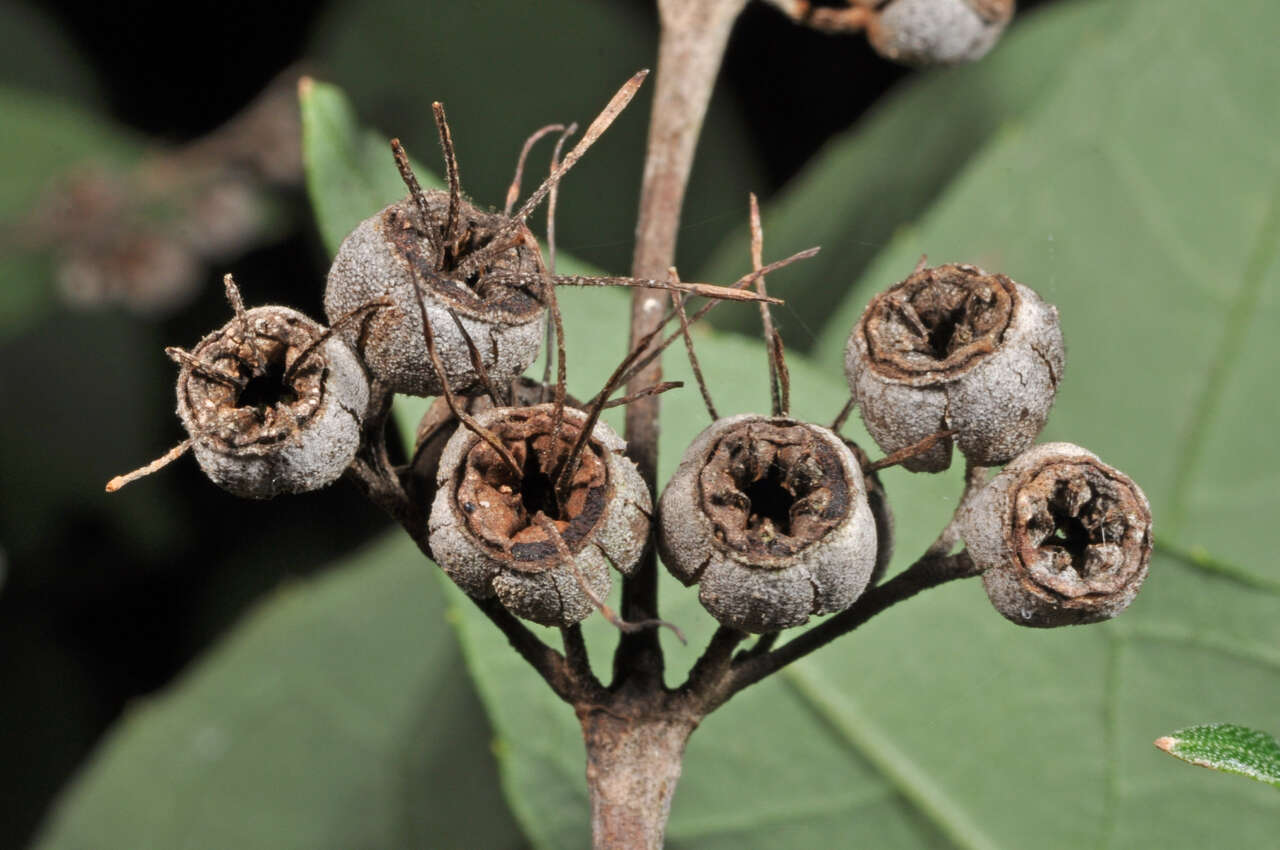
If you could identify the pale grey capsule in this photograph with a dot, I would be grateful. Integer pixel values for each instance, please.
(1062, 538)
(953, 348)
(259, 429)
(938, 32)
(483, 528)
(769, 517)
(388, 255)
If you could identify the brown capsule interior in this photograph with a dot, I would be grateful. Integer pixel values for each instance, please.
(770, 489)
(1079, 531)
(256, 354)
(939, 320)
(499, 508)
(480, 293)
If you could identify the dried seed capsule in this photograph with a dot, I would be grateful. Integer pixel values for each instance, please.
(1063, 539)
(484, 532)
(389, 254)
(878, 501)
(954, 348)
(438, 425)
(769, 517)
(938, 32)
(261, 421)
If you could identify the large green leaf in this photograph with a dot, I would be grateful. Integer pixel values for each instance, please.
(879, 177)
(337, 716)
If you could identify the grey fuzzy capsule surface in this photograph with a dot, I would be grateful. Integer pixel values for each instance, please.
(257, 435)
(938, 32)
(769, 517)
(388, 255)
(953, 348)
(1062, 538)
(483, 528)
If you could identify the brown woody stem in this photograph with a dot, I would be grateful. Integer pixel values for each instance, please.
(694, 34)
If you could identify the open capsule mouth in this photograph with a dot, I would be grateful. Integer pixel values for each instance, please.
(244, 394)
(483, 293)
(772, 488)
(1080, 531)
(938, 322)
(501, 508)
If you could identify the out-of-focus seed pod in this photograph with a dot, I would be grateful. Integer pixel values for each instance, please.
(389, 255)
(484, 529)
(938, 32)
(261, 422)
(954, 348)
(769, 517)
(1062, 538)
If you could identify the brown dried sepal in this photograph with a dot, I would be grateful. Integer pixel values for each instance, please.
(769, 516)
(1063, 538)
(390, 254)
(483, 528)
(953, 348)
(256, 434)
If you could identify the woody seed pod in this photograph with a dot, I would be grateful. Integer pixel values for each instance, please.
(769, 517)
(484, 528)
(954, 348)
(257, 429)
(938, 32)
(1063, 539)
(878, 501)
(389, 254)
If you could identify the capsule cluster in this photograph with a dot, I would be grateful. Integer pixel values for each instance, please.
(526, 499)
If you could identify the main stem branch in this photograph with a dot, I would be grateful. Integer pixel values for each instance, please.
(691, 46)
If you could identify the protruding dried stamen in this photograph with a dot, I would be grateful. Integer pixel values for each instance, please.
(156, 465)
(477, 362)
(597, 405)
(513, 191)
(656, 389)
(237, 307)
(419, 197)
(597, 127)
(678, 301)
(907, 452)
(741, 282)
(566, 558)
(429, 337)
(185, 358)
(359, 312)
(766, 317)
(703, 290)
(784, 375)
(553, 196)
(451, 236)
(843, 416)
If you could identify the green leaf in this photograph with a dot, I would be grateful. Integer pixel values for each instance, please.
(880, 176)
(351, 173)
(1228, 748)
(336, 716)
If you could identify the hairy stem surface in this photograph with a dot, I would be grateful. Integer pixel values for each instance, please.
(691, 47)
